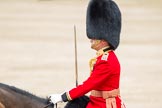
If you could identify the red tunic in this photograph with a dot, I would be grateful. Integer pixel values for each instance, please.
(105, 76)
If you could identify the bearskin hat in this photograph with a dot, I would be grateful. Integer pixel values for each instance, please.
(104, 21)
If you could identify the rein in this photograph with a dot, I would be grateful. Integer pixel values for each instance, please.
(49, 105)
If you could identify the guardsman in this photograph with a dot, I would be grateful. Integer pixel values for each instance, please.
(103, 26)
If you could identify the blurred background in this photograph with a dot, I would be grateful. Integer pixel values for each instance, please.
(37, 47)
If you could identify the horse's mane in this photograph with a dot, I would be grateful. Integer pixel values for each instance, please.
(24, 93)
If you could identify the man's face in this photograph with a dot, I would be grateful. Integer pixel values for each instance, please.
(95, 44)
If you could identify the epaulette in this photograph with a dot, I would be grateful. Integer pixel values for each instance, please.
(105, 56)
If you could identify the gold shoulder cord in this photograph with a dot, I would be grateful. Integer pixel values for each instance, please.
(92, 61)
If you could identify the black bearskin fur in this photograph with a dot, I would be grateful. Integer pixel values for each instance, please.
(78, 103)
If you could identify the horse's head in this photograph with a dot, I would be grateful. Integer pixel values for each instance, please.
(78, 103)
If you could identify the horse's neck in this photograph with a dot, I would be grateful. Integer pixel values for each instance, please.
(12, 99)
(32, 103)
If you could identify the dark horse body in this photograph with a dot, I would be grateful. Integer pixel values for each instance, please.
(12, 97)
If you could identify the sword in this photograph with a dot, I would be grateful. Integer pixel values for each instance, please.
(76, 61)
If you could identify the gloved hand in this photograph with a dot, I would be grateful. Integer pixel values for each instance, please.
(55, 98)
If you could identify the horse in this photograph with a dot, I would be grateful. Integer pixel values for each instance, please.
(12, 97)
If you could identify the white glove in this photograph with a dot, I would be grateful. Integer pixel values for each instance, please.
(55, 98)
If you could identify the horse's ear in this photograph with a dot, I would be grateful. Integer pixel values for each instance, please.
(78, 103)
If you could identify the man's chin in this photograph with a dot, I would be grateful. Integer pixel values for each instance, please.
(93, 47)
